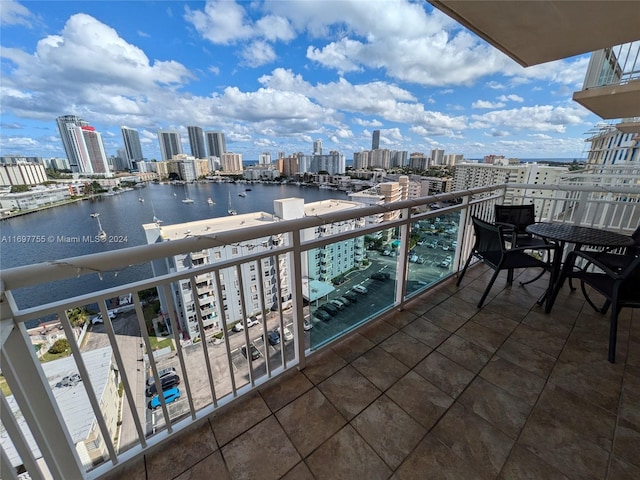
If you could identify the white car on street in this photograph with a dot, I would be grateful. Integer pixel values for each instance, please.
(360, 289)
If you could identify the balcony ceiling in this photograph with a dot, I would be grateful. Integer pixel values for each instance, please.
(534, 32)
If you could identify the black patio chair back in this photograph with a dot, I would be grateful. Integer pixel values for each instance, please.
(515, 219)
(489, 247)
(619, 286)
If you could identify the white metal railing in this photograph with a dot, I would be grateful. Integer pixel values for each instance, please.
(613, 66)
(216, 369)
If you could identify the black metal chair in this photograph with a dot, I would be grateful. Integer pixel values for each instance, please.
(490, 248)
(619, 286)
(615, 261)
(515, 219)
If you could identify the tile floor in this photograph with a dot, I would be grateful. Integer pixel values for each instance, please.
(438, 390)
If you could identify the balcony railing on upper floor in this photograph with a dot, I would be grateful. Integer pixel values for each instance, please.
(612, 84)
(87, 414)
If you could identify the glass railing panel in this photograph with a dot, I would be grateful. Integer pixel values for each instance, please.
(354, 290)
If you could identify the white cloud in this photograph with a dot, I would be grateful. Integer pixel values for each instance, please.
(258, 53)
(274, 28)
(538, 118)
(12, 13)
(367, 123)
(221, 22)
(486, 104)
(512, 98)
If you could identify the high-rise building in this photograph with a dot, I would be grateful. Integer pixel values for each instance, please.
(170, 143)
(375, 143)
(196, 142)
(216, 144)
(317, 147)
(65, 124)
(437, 157)
(89, 150)
(132, 146)
(231, 162)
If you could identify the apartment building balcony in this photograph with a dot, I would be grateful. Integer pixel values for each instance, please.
(412, 381)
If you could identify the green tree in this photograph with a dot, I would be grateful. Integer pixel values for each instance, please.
(20, 188)
(61, 346)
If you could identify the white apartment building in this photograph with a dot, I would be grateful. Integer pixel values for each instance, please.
(612, 146)
(22, 173)
(469, 175)
(257, 289)
(35, 198)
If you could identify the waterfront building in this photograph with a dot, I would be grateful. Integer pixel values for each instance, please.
(89, 150)
(375, 140)
(266, 172)
(397, 158)
(15, 159)
(380, 158)
(333, 163)
(452, 159)
(361, 160)
(231, 162)
(22, 173)
(264, 158)
(170, 143)
(216, 143)
(288, 166)
(251, 290)
(386, 192)
(196, 142)
(132, 146)
(57, 163)
(37, 197)
(65, 125)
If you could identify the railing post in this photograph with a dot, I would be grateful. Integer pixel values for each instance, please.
(402, 265)
(298, 304)
(33, 395)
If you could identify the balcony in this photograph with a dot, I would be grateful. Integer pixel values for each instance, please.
(412, 380)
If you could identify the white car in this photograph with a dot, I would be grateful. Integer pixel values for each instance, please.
(360, 289)
(287, 335)
(98, 319)
(307, 325)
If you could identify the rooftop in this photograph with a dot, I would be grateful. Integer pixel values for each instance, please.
(441, 389)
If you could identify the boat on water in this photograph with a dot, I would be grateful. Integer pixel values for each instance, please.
(242, 194)
(186, 200)
(230, 210)
(210, 201)
(247, 189)
(140, 199)
(102, 235)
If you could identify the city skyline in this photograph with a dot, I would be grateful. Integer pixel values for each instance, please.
(277, 76)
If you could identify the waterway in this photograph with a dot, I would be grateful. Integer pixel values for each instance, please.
(70, 230)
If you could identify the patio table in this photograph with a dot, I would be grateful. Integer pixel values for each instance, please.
(579, 236)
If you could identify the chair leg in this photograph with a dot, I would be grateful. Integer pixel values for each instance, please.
(613, 331)
(522, 284)
(486, 291)
(464, 270)
(586, 296)
(510, 276)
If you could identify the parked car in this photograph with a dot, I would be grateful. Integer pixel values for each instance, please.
(287, 334)
(170, 396)
(352, 297)
(339, 280)
(251, 321)
(382, 276)
(167, 382)
(360, 289)
(161, 373)
(330, 309)
(322, 315)
(255, 353)
(273, 337)
(98, 319)
(344, 300)
(338, 304)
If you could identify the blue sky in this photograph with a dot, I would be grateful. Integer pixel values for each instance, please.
(277, 75)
